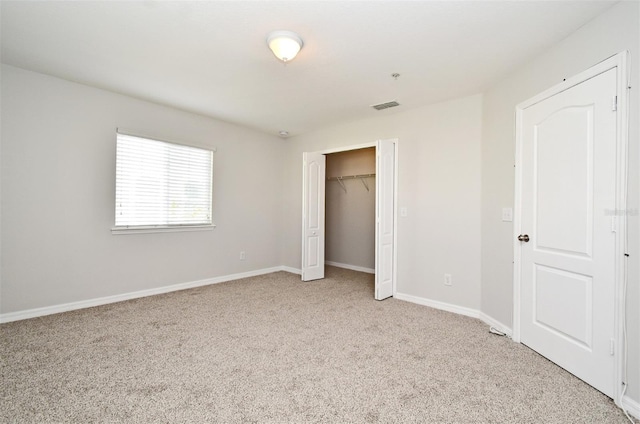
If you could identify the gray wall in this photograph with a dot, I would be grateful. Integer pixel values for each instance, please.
(455, 176)
(58, 191)
(614, 31)
(350, 216)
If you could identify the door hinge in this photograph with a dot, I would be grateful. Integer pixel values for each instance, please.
(614, 103)
(614, 224)
(612, 347)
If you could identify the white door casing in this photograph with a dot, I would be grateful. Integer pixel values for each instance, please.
(385, 219)
(313, 209)
(570, 172)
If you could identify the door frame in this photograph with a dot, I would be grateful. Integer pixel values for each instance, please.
(620, 63)
(395, 199)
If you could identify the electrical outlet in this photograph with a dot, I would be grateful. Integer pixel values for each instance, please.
(447, 279)
(243, 256)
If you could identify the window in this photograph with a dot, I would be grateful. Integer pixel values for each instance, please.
(161, 185)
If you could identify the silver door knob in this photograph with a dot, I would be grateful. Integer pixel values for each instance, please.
(523, 237)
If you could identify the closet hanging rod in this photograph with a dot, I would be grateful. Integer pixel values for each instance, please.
(350, 177)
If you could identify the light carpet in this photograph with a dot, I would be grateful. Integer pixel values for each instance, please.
(274, 349)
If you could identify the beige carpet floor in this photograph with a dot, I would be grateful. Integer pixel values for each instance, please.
(274, 349)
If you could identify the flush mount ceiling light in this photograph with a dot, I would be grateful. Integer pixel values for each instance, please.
(284, 44)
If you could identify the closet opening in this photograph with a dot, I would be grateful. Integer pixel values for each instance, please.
(343, 215)
(350, 210)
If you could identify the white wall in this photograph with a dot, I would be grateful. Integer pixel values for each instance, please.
(614, 31)
(350, 216)
(58, 185)
(439, 184)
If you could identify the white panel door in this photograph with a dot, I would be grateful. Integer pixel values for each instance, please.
(385, 217)
(568, 198)
(313, 195)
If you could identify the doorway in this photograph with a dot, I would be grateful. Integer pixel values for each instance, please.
(313, 214)
(350, 210)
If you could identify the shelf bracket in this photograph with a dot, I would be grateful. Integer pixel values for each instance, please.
(364, 183)
(342, 184)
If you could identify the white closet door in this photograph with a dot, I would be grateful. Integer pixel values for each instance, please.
(385, 210)
(313, 195)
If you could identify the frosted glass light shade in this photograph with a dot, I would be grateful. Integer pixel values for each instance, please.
(285, 45)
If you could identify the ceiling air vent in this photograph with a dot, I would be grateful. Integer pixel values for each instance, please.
(385, 105)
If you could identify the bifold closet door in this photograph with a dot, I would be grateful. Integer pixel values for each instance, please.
(385, 219)
(313, 225)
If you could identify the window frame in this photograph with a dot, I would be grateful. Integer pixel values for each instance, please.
(144, 229)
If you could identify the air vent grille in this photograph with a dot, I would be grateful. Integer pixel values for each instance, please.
(387, 105)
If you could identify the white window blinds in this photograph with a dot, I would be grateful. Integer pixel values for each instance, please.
(160, 184)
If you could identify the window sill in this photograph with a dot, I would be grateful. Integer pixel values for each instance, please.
(163, 229)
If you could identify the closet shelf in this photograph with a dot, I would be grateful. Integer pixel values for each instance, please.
(352, 177)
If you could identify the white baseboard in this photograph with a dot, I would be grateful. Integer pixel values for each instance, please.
(496, 324)
(72, 306)
(291, 270)
(632, 407)
(449, 307)
(351, 267)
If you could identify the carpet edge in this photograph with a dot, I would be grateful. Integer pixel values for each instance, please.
(89, 303)
(460, 310)
(351, 267)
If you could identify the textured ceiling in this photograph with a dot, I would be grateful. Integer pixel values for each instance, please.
(211, 57)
